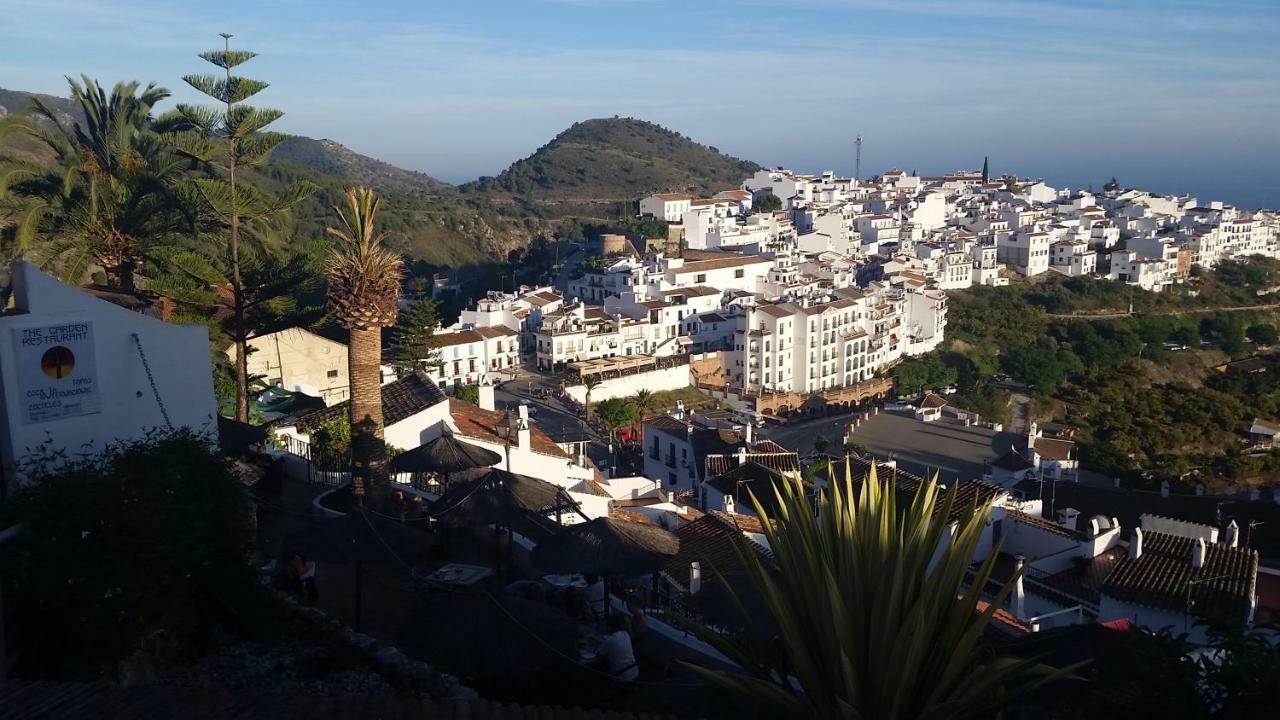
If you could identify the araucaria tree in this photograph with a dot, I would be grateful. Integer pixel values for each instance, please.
(869, 612)
(226, 139)
(413, 337)
(364, 283)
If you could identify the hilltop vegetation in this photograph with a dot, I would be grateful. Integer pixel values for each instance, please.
(1138, 388)
(609, 160)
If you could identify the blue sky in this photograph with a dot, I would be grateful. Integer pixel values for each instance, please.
(1175, 95)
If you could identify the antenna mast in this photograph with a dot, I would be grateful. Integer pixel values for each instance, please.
(857, 162)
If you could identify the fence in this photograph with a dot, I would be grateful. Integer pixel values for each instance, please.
(318, 466)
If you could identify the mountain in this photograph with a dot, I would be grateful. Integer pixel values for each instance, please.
(333, 158)
(611, 160)
(427, 219)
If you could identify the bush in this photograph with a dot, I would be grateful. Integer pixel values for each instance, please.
(147, 542)
(468, 393)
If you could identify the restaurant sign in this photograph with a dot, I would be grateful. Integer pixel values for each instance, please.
(57, 371)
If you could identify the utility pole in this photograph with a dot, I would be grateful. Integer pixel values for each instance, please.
(857, 159)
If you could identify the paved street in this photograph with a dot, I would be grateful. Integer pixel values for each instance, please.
(951, 449)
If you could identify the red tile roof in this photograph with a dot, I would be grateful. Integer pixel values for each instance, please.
(475, 422)
(1161, 577)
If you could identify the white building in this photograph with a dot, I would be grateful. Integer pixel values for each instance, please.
(473, 356)
(666, 206)
(1026, 252)
(78, 373)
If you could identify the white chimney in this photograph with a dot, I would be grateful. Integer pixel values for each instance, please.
(695, 577)
(486, 401)
(1197, 553)
(1232, 536)
(1135, 544)
(742, 455)
(1019, 594)
(748, 435)
(522, 429)
(1093, 527)
(728, 504)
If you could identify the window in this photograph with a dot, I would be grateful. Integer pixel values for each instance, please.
(332, 374)
(739, 273)
(700, 278)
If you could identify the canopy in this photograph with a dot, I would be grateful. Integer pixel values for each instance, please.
(358, 536)
(446, 454)
(497, 496)
(607, 545)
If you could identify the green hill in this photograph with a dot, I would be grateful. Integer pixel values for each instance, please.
(427, 218)
(610, 160)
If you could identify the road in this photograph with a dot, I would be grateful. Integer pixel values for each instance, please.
(569, 264)
(1191, 311)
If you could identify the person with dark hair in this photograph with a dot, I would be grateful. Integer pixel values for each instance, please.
(306, 571)
(616, 655)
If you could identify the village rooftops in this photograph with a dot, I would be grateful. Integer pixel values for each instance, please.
(401, 399)
(1053, 449)
(546, 297)
(692, 291)
(728, 260)
(1163, 577)
(933, 401)
(477, 423)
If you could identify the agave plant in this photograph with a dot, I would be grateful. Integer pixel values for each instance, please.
(364, 283)
(872, 613)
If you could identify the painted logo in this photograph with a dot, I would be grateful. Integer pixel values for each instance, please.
(57, 362)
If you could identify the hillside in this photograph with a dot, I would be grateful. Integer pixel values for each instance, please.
(333, 158)
(609, 160)
(427, 219)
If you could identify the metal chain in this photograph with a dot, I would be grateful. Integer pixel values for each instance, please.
(151, 379)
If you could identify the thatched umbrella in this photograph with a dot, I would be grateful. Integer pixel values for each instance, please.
(497, 496)
(357, 537)
(605, 546)
(446, 454)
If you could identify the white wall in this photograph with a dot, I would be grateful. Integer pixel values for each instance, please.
(178, 356)
(666, 379)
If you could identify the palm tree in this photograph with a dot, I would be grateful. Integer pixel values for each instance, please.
(643, 401)
(590, 384)
(872, 616)
(108, 198)
(364, 282)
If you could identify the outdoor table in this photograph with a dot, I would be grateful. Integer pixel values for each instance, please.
(459, 575)
(561, 582)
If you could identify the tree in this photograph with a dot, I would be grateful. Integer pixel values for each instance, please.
(644, 402)
(1112, 185)
(1262, 334)
(108, 198)
(820, 444)
(226, 139)
(160, 533)
(590, 384)
(364, 283)
(413, 337)
(615, 413)
(766, 202)
(467, 393)
(868, 608)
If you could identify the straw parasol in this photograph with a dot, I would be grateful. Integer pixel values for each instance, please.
(497, 496)
(605, 546)
(446, 454)
(357, 537)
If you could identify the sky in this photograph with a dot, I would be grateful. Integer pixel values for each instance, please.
(1170, 95)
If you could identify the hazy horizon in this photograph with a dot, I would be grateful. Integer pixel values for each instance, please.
(1174, 97)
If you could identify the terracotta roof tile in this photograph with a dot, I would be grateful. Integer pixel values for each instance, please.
(1161, 577)
(475, 422)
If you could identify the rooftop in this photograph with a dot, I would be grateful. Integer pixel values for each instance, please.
(401, 399)
(1162, 576)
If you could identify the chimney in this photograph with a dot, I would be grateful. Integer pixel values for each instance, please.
(1135, 544)
(1232, 536)
(522, 429)
(728, 504)
(1197, 553)
(1019, 594)
(695, 577)
(486, 396)
(742, 455)
(747, 434)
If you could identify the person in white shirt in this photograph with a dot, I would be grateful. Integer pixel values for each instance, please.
(616, 655)
(595, 595)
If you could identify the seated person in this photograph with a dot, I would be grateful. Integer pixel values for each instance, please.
(595, 595)
(616, 655)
